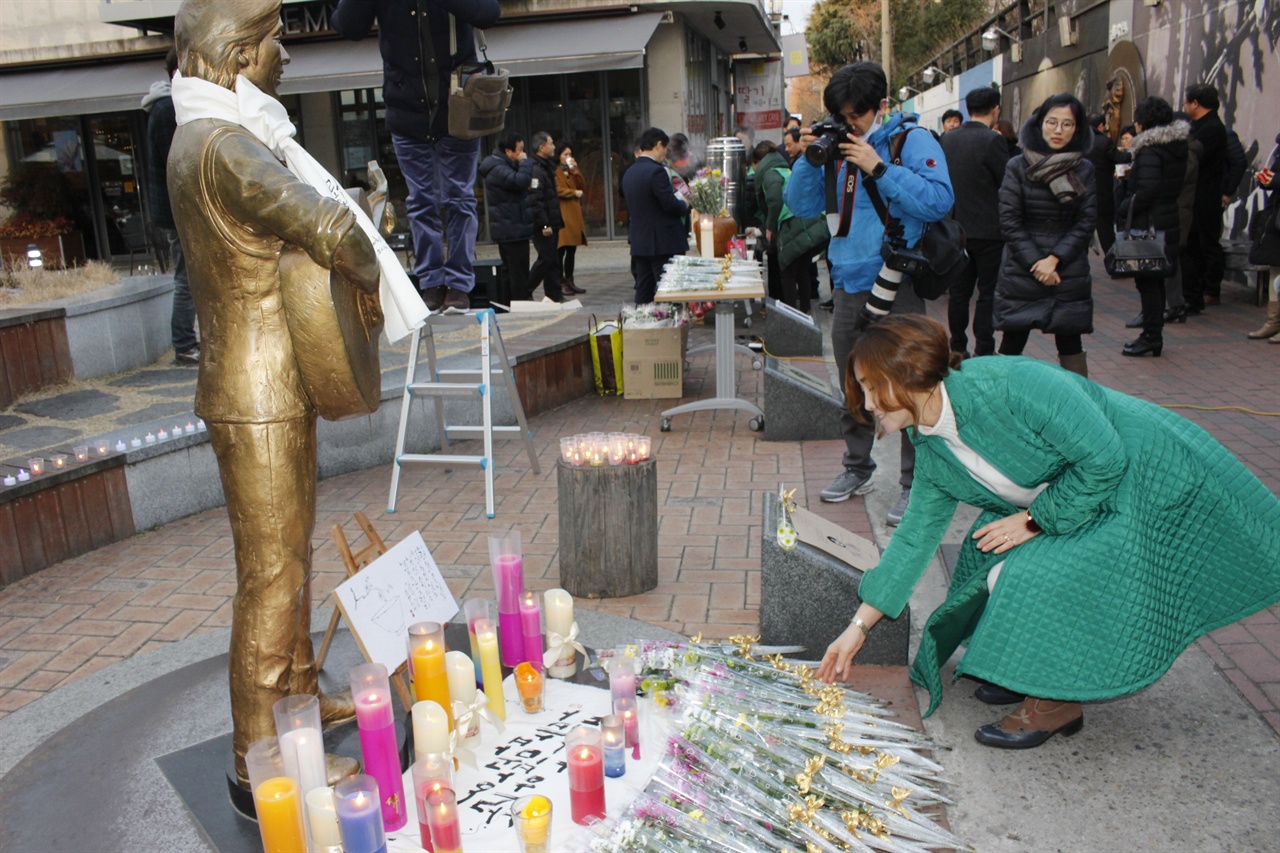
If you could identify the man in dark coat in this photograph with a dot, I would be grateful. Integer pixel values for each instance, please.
(1103, 157)
(544, 205)
(507, 174)
(161, 125)
(976, 157)
(439, 169)
(1203, 262)
(656, 226)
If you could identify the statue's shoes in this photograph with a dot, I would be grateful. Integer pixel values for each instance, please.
(336, 709)
(339, 767)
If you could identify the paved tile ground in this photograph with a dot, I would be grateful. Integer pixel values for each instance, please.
(177, 581)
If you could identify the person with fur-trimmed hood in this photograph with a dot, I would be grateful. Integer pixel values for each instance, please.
(1048, 207)
(1155, 182)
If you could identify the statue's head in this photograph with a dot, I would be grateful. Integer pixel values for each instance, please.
(218, 39)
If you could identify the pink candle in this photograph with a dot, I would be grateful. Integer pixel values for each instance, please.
(586, 774)
(442, 817)
(622, 678)
(626, 709)
(531, 628)
(372, 692)
(508, 584)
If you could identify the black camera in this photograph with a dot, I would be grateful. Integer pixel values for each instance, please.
(831, 132)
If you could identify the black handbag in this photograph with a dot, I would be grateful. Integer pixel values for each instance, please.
(1264, 251)
(1138, 253)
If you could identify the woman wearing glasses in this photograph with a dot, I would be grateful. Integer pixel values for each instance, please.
(1048, 208)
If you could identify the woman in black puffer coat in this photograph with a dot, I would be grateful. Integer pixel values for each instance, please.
(1155, 181)
(1048, 208)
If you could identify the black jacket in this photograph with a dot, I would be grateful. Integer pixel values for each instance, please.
(1035, 225)
(1237, 162)
(506, 192)
(1103, 157)
(544, 201)
(1212, 134)
(1187, 195)
(401, 30)
(161, 124)
(976, 157)
(656, 215)
(1155, 181)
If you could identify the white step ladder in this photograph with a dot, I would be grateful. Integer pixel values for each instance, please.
(494, 368)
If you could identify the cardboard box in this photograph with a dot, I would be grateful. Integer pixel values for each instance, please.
(653, 363)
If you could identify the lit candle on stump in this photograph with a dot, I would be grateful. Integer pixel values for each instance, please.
(426, 662)
(586, 774)
(372, 693)
(356, 801)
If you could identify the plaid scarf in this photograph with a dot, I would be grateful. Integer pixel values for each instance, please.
(1058, 171)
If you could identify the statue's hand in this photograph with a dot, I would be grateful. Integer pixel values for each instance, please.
(356, 261)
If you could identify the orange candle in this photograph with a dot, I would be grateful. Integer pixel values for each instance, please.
(427, 663)
(529, 683)
(280, 815)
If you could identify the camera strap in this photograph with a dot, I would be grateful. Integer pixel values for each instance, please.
(842, 220)
(892, 227)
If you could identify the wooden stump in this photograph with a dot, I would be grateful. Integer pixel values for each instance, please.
(608, 529)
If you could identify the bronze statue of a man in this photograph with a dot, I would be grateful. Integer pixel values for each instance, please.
(238, 208)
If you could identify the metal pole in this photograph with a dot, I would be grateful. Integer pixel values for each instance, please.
(886, 40)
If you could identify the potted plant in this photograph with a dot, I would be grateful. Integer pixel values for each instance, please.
(40, 197)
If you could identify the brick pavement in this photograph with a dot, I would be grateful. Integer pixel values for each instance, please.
(175, 582)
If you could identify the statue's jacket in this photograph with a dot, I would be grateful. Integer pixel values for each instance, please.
(237, 208)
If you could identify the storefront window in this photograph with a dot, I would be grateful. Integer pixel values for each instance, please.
(626, 122)
(118, 181)
(47, 155)
(586, 134)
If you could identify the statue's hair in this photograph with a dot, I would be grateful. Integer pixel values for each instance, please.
(217, 38)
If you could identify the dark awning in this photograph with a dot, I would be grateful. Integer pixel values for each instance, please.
(563, 47)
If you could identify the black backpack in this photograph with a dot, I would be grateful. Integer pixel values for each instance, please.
(938, 259)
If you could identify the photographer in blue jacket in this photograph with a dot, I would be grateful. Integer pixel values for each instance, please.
(842, 158)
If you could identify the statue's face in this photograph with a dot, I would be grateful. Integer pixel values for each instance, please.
(266, 72)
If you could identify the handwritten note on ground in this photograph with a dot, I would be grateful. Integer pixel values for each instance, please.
(382, 600)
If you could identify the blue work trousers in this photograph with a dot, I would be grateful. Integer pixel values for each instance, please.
(441, 176)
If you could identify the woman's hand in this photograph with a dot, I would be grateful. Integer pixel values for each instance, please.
(835, 663)
(1001, 535)
(1045, 271)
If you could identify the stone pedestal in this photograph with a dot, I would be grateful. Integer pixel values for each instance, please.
(799, 405)
(608, 529)
(808, 597)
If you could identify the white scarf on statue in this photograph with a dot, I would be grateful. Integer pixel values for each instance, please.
(266, 118)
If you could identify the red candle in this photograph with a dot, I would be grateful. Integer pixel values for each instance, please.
(442, 816)
(586, 775)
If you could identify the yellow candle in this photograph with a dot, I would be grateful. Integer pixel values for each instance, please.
(490, 669)
(536, 821)
(426, 658)
(280, 815)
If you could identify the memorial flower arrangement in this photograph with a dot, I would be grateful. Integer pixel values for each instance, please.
(706, 192)
(764, 757)
(654, 315)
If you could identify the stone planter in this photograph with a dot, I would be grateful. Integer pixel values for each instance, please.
(65, 250)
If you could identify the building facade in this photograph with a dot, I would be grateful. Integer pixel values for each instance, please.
(590, 71)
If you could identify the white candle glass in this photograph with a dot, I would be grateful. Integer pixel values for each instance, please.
(36, 465)
(82, 453)
(301, 741)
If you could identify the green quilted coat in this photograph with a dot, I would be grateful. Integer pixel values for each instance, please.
(1153, 535)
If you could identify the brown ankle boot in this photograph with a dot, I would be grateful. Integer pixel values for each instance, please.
(1272, 325)
(1077, 363)
(1032, 723)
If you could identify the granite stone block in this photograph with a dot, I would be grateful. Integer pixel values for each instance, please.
(788, 332)
(72, 406)
(808, 597)
(798, 405)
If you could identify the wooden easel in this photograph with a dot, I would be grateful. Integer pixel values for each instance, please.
(354, 562)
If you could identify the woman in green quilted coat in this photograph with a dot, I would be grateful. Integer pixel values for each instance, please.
(1113, 532)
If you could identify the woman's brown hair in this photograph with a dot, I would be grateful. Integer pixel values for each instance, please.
(902, 352)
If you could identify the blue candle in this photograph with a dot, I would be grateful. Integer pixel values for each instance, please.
(615, 740)
(360, 815)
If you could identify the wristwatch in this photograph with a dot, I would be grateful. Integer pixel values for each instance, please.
(880, 169)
